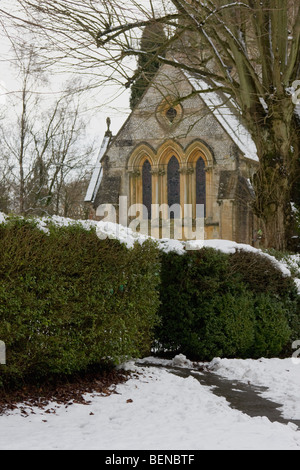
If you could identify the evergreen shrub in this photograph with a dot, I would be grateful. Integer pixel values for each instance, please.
(69, 300)
(226, 305)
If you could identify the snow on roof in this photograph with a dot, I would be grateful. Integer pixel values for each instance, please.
(97, 173)
(226, 117)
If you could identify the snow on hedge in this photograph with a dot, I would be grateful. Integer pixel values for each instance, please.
(129, 237)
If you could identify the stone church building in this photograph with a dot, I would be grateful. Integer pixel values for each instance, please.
(191, 152)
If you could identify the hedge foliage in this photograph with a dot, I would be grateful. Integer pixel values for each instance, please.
(69, 300)
(216, 304)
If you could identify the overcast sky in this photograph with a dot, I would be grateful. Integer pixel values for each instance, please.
(101, 102)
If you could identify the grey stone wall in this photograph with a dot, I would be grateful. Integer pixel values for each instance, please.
(196, 122)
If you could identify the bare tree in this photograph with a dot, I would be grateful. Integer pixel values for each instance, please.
(6, 193)
(71, 201)
(16, 140)
(249, 48)
(42, 142)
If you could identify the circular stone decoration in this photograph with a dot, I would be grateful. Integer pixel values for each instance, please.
(168, 113)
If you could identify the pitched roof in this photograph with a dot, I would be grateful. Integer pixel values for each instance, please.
(109, 190)
(221, 106)
(225, 111)
(98, 171)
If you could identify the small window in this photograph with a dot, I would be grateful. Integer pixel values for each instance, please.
(171, 114)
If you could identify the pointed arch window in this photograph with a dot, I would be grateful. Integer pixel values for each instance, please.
(147, 188)
(173, 182)
(201, 183)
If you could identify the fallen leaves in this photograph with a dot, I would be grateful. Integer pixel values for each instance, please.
(64, 392)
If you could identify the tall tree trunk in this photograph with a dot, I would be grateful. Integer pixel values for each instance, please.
(274, 180)
(272, 205)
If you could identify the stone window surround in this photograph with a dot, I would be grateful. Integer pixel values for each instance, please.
(159, 160)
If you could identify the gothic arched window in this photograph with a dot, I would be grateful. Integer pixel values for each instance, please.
(173, 182)
(201, 183)
(147, 188)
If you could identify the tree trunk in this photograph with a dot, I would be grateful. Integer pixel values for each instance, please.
(276, 143)
(273, 216)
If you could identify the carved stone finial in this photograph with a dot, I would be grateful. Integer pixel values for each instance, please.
(108, 122)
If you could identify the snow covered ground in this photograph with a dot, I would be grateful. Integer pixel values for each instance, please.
(156, 410)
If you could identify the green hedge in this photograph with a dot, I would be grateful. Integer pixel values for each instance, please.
(69, 300)
(216, 304)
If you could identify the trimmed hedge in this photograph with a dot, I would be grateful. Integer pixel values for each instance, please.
(69, 300)
(216, 304)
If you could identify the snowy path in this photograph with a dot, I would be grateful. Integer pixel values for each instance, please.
(245, 397)
(154, 410)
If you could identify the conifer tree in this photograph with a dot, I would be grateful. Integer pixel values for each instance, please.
(153, 44)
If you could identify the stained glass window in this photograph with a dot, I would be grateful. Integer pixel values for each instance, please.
(147, 188)
(173, 178)
(201, 183)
